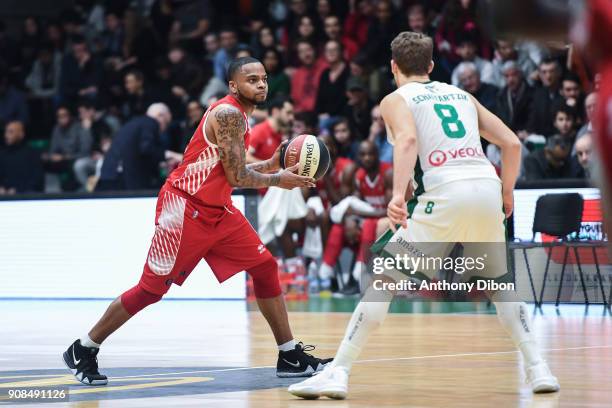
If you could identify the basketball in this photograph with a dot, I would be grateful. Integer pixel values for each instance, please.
(311, 154)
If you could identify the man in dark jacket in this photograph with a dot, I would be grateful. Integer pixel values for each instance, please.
(515, 99)
(551, 162)
(20, 166)
(132, 162)
(545, 98)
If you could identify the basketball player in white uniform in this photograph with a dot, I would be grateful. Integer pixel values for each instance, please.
(435, 129)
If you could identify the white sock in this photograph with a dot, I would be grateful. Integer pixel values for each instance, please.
(326, 271)
(86, 341)
(358, 269)
(515, 319)
(366, 318)
(288, 346)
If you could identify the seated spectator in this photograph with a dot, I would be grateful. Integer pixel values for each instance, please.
(358, 108)
(382, 29)
(112, 38)
(305, 79)
(187, 76)
(589, 109)
(372, 184)
(87, 169)
(564, 121)
(466, 49)
(305, 30)
(262, 40)
(228, 40)
(545, 98)
(268, 135)
(192, 19)
(305, 123)
(551, 162)
(195, 112)
(13, 104)
(571, 91)
(279, 83)
(584, 150)
(211, 46)
(43, 80)
(20, 165)
(333, 31)
(469, 79)
(357, 22)
(515, 99)
(506, 51)
(343, 135)
(136, 99)
(133, 160)
(331, 94)
(378, 136)
(82, 74)
(70, 140)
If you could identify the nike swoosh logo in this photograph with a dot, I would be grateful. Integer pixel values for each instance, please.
(296, 365)
(76, 362)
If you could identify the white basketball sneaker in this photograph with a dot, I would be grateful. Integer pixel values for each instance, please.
(332, 382)
(541, 379)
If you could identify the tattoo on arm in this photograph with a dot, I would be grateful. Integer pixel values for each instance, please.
(232, 152)
(264, 166)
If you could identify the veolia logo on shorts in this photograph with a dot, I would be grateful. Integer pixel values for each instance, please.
(437, 158)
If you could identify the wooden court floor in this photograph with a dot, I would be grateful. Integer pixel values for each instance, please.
(219, 354)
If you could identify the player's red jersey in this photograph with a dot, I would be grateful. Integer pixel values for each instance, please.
(336, 174)
(373, 191)
(201, 174)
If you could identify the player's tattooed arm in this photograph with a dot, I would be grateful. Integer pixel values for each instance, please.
(229, 127)
(230, 141)
(264, 167)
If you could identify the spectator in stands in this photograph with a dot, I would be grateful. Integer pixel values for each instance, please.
(383, 28)
(102, 128)
(357, 23)
(515, 99)
(545, 98)
(378, 136)
(469, 80)
(551, 162)
(305, 123)
(113, 37)
(20, 166)
(13, 104)
(162, 18)
(458, 20)
(142, 44)
(70, 140)
(571, 91)
(346, 144)
(279, 83)
(584, 150)
(358, 108)
(305, 79)
(211, 46)
(564, 120)
(82, 74)
(186, 74)
(262, 41)
(137, 99)
(132, 162)
(466, 49)
(268, 135)
(44, 78)
(589, 109)
(228, 40)
(195, 112)
(29, 42)
(192, 19)
(331, 95)
(55, 36)
(333, 31)
(506, 51)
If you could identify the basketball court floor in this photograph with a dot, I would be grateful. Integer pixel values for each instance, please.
(221, 354)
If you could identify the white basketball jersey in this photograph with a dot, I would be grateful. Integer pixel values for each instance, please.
(447, 133)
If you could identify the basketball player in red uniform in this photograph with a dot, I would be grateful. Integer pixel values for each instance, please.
(371, 183)
(195, 220)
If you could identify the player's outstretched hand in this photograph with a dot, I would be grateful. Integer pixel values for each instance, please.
(397, 212)
(290, 180)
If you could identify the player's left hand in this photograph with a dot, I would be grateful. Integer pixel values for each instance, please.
(508, 203)
(397, 212)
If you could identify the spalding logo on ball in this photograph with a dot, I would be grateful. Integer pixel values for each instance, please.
(311, 154)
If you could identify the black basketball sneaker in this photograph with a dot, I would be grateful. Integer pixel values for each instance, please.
(299, 363)
(83, 363)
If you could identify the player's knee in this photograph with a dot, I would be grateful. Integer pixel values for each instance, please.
(265, 279)
(137, 298)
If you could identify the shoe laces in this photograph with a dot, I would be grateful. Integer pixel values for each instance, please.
(306, 347)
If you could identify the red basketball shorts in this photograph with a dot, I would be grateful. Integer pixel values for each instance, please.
(186, 232)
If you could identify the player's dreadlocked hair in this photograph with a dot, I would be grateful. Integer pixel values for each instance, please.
(236, 64)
